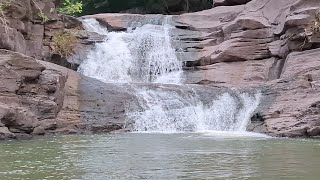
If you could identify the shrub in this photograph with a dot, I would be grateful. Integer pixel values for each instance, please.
(71, 8)
(3, 8)
(64, 43)
(314, 26)
(44, 17)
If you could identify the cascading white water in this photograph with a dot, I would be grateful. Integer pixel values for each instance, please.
(140, 55)
(177, 111)
(144, 54)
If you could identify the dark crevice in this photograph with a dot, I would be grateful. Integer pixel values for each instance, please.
(281, 67)
(184, 27)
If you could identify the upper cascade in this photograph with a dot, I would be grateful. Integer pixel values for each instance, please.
(141, 54)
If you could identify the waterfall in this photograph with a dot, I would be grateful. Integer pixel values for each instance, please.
(144, 54)
(167, 110)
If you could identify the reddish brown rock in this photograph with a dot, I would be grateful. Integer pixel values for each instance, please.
(295, 108)
(30, 97)
(29, 33)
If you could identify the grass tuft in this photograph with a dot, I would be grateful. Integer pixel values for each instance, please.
(64, 43)
(3, 8)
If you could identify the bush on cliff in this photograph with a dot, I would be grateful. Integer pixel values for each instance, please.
(3, 8)
(314, 26)
(64, 43)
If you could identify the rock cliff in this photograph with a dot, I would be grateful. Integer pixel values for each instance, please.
(31, 96)
(30, 26)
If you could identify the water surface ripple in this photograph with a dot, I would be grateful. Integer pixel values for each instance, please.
(160, 156)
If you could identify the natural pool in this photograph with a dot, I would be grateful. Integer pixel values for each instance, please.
(160, 156)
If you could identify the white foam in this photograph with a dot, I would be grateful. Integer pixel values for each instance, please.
(182, 111)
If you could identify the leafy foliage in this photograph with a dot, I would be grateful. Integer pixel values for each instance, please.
(3, 7)
(70, 7)
(314, 26)
(44, 17)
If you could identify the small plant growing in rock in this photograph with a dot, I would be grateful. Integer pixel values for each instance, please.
(312, 29)
(3, 8)
(43, 17)
(314, 26)
(64, 43)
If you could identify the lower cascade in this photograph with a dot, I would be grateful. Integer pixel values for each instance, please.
(184, 110)
(144, 58)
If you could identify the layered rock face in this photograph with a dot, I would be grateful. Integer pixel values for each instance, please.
(29, 27)
(31, 96)
(41, 98)
(295, 111)
(89, 105)
(266, 44)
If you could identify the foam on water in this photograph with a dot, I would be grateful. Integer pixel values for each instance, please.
(181, 111)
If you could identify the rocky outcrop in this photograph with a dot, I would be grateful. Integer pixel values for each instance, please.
(89, 105)
(40, 98)
(31, 96)
(29, 26)
(295, 111)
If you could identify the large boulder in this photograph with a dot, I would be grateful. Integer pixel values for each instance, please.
(90, 106)
(30, 95)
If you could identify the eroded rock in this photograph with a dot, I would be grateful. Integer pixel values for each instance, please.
(30, 95)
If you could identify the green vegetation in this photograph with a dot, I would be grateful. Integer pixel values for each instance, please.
(64, 43)
(43, 17)
(314, 26)
(73, 8)
(3, 8)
